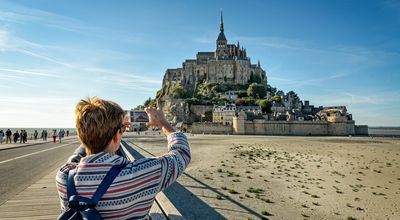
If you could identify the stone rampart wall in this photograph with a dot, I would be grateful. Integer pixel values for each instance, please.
(361, 130)
(210, 128)
(302, 128)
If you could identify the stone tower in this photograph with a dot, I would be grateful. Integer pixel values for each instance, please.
(222, 48)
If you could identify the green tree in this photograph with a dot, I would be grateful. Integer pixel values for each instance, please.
(256, 90)
(207, 90)
(242, 93)
(177, 91)
(276, 98)
(254, 78)
(139, 107)
(271, 89)
(159, 93)
(249, 101)
(147, 102)
(265, 105)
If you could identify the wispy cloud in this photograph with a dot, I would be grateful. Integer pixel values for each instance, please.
(31, 73)
(353, 53)
(22, 14)
(3, 40)
(36, 100)
(306, 81)
(12, 80)
(8, 16)
(373, 98)
(9, 42)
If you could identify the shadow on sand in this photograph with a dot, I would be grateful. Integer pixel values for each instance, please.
(188, 204)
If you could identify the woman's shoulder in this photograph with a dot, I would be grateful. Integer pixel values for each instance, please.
(63, 171)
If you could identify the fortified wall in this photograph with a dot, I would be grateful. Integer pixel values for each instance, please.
(301, 128)
(290, 128)
(211, 128)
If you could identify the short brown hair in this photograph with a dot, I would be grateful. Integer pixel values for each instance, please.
(97, 121)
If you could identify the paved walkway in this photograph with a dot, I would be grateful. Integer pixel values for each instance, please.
(30, 142)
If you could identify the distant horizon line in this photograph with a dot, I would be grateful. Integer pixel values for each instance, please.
(38, 127)
(369, 126)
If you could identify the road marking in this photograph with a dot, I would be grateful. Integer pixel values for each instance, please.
(38, 152)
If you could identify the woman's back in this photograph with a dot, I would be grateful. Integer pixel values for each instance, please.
(133, 191)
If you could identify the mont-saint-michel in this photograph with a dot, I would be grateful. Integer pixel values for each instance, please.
(223, 92)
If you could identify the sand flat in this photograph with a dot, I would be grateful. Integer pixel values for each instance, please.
(253, 177)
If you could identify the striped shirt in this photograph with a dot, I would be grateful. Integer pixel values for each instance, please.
(133, 191)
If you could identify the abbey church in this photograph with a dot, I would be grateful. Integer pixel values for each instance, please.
(228, 64)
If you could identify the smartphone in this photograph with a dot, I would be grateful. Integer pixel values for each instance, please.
(140, 116)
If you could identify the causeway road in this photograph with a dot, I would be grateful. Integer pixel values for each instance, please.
(25, 164)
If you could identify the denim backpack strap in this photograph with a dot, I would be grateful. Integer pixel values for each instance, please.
(107, 181)
(71, 191)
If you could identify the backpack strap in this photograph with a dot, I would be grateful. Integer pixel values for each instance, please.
(107, 181)
(71, 191)
(104, 185)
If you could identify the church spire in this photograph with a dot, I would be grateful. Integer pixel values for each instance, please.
(221, 23)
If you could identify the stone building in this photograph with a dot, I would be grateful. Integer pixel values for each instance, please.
(334, 114)
(228, 64)
(224, 114)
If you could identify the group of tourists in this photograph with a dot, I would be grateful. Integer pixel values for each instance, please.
(59, 134)
(22, 135)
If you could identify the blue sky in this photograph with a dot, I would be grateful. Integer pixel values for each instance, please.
(54, 53)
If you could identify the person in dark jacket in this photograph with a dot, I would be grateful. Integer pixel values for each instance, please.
(16, 136)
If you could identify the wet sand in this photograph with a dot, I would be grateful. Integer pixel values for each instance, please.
(258, 177)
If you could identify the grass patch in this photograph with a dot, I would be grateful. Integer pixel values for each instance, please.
(265, 200)
(266, 213)
(232, 191)
(255, 190)
(359, 209)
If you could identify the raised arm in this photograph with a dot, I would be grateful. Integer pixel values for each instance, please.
(175, 161)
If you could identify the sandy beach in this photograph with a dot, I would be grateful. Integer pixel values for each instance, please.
(258, 177)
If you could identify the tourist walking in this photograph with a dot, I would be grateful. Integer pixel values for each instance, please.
(55, 134)
(1, 136)
(100, 125)
(24, 136)
(16, 136)
(67, 133)
(35, 134)
(8, 136)
(21, 134)
(60, 135)
(44, 135)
